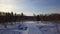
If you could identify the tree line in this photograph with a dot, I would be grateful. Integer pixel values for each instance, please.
(11, 17)
(50, 17)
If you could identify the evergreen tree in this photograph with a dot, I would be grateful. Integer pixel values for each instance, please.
(38, 18)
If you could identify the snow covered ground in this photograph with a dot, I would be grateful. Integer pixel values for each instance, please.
(33, 28)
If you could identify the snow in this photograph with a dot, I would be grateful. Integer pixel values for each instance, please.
(33, 28)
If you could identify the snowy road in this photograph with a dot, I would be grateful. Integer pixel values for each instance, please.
(33, 29)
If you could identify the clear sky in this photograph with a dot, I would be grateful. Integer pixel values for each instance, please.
(30, 6)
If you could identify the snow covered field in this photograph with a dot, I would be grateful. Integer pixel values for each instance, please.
(33, 28)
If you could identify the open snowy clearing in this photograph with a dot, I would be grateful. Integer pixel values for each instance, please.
(32, 28)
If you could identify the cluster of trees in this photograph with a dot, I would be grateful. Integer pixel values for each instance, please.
(50, 17)
(11, 17)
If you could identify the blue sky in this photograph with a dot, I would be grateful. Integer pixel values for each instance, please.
(30, 6)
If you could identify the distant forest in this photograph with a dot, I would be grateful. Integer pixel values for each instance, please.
(11, 17)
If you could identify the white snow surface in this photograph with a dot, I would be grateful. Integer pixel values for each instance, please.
(33, 28)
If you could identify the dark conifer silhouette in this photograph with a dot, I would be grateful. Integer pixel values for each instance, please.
(38, 18)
